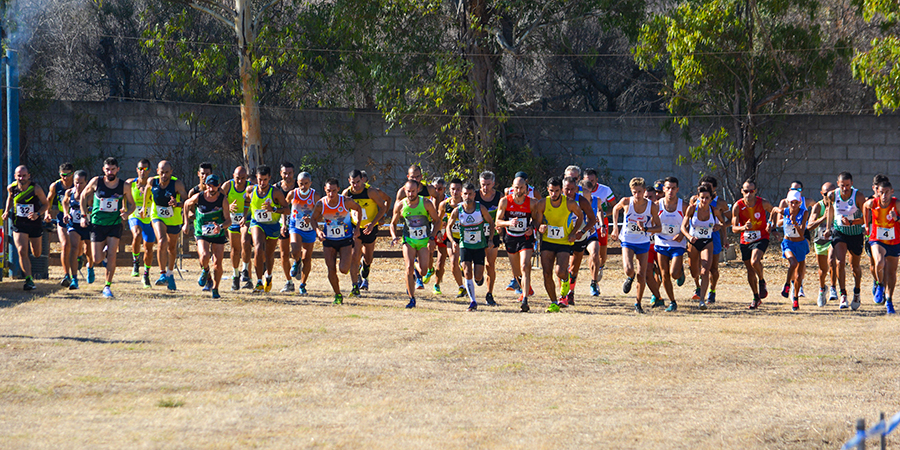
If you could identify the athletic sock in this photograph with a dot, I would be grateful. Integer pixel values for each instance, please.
(109, 283)
(237, 273)
(470, 288)
(572, 278)
(135, 256)
(712, 291)
(245, 266)
(564, 288)
(365, 270)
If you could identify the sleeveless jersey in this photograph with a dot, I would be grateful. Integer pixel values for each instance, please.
(632, 233)
(521, 214)
(169, 215)
(302, 207)
(108, 203)
(790, 222)
(138, 194)
(557, 220)
(59, 192)
(490, 205)
(209, 213)
(757, 218)
(818, 235)
(338, 223)
(454, 227)
(702, 229)
(471, 226)
(416, 220)
(369, 207)
(74, 207)
(24, 203)
(236, 197)
(846, 208)
(883, 229)
(671, 226)
(258, 212)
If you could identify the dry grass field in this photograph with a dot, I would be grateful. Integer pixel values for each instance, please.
(151, 369)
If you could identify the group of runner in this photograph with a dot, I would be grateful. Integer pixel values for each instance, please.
(464, 223)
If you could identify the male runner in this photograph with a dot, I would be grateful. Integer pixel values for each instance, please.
(267, 204)
(28, 204)
(444, 210)
(558, 234)
(476, 228)
(883, 222)
(303, 200)
(287, 184)
(817, 223)
(76, 233)
(845, 227)
(339, 236)
(589, 235)
(513, 283)
(374, 203)
(414, 173)
(488, 197)
(112, 204)
(55, 198)
(641, 219)
(419, 217)
(210, 224)
(163, 196)
(866, 243)
(239, 235)
(749, 217)
(605, 200)
(142, 234)
(204, 170)
(514, 215)
(670, 243)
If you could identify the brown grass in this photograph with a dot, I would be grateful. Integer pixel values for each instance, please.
(159, 370)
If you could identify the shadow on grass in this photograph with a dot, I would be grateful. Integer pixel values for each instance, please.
(76, 339)
(11, 293)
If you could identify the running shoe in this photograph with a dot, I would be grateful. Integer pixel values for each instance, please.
(489, 299)
(247, 285)
(680, 280)
(91, 276)
(701, 305)
(209, 285)
(436, 290)
(854, 304)
(268, 284)
(626, 286)
(259, 289)
(479, 282)
(145, 279)
(672, 306)
(67, 280)
(599, 274)
(245, 278)
(288, 286)
(428, 276)
(554, 307)
(235, 283)
(595, 291)
(74, 284)
(874, 288)
(107, 292)
(29, 285)
(364, 285)
(204, 277)
(844, 304)
(696, 296)
(170, 282)
(215, 293)
(159, 282)
(801, 293)
(890, 306)
(879, 294)
(419, 284)
(355, 291)
(755, 303)
(786, 291)
(136, 268)
(711, 297)
(763, 292)
(81, 260)
(513, 285)
(524, 306)
(462, 292)
(656, 302)
(302, 289)
(518, 291)
(473, 306)
(832, 294)
(638, 309)
(563, 301)
(411, 304)
(795, 306)
(570, 297)
(823, 298)
(295, 270)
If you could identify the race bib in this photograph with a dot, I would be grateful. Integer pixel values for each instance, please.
(138, 211)
(472, 237)
(363, 215)
(236, 218)
(208, 229)
(109, 204)
(752, 236)
(886, 234)
(702, 232)
(24, 210)
(454, 228)
(262, 215)
(334, 230)
(791, 232)
(520, 224)
(633, 228)
(302, 225)
(418, 232)
(76, 215)
(165, 212)
(555, 232)
(669, 230)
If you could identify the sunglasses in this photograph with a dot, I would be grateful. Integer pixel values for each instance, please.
(64, 174)
(748, 191)
(143, 169)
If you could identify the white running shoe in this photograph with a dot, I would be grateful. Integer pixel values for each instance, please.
(854, 305)
(823, 298)
(844, 304)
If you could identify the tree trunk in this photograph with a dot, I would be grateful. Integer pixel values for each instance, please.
(481, 76)
(251, 132)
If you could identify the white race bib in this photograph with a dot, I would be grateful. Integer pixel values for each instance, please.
(363, 215)
(76, 215)
(262, 215)
(520, 224)
(236, 218)
(752, 236)
(335, 230)
(302, 225)
(418, 232)
(165, 212)
(109, 204)
(669, 230)
(454, 228)
(791, 232)
(208, 229)
(471, 237)
(633, 228)
(555, 232)
(24, 210)
(886, 234)
(702, 232)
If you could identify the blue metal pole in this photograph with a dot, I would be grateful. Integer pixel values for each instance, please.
(12, 136)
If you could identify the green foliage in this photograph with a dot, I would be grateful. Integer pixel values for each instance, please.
(878, 67)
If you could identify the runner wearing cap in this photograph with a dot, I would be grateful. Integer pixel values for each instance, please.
(239, 235)
(794, 246)
(207, 213)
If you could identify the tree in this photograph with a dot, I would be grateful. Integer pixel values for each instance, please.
(741, 62)
(879, 67)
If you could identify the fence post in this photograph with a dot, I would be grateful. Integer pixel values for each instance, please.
(861, 431)
(883, 437)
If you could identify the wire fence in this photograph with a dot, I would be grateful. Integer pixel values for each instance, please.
(880, 429)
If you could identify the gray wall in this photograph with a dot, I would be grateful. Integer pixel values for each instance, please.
(810, 148)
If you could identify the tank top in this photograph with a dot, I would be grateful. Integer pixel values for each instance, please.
(368, 206)
(557, 220)
(138, 194)
(848, 209)
(209, 213)
(671, 226)
(59, 192)
(338, 223)
(884, 230)
(454, 227)
(471, 227)
(107, 203)
(790, 222)
(302, 207)
(25, 203)
(236, 197)
(587, 233)
(702, 229)
(818, 235)
(521, 214)
(416, 222)
(169, 215)
(74, 207)
(259, 213)
(632, 233)
(757, 218)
